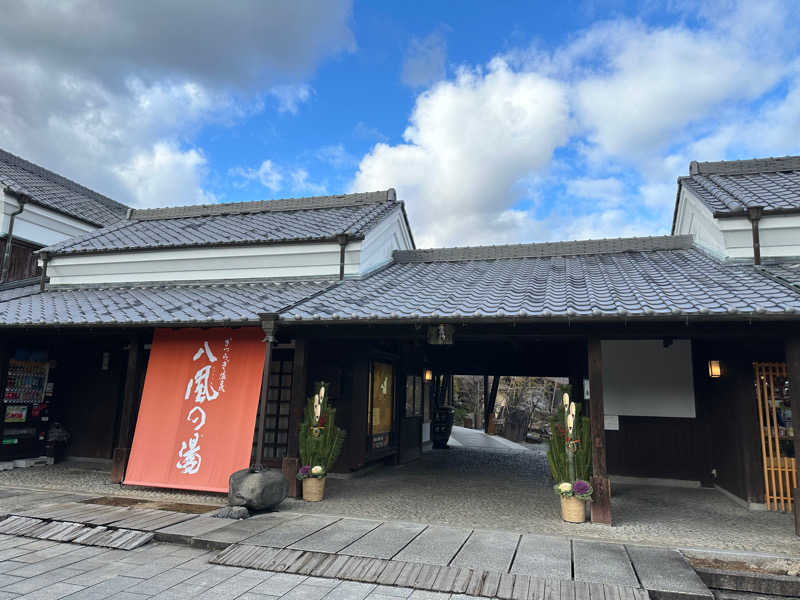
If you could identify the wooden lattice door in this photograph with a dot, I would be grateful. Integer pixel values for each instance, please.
(279, 398)
(773, 393)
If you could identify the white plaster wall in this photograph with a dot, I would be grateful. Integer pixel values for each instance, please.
(732, 237)
(389, 235)
(695, 218)
(39, 225)
(642, 378)
(242, 262)
(779, 236)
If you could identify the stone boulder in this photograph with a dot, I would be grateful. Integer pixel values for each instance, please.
(257, 490)
(232, 512)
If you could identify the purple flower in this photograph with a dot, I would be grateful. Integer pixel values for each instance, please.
(580, 487)
(305, 470)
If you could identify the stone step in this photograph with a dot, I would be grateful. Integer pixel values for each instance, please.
(667, 575)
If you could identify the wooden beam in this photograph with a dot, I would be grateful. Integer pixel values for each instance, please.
(130, 410)
(601, 505)
(269, 323)
(291, 462)
(793, 367)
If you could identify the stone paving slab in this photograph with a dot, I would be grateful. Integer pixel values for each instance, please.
(386, 541)
(488, 550)
(289, 532)
(666, 574)
(543, 556)
(599, 561)
(436, 545)
(336, 536)
(185, 531)
(237, 531)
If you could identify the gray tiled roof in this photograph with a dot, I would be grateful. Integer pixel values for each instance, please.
(675, 281)
(58, 193)
(730, 187)
(170, 304)
(17, 289)
(298, 219)
(786, 272)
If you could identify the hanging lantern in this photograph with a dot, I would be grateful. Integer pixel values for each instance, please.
(565, 400)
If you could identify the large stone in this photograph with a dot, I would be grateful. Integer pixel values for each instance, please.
(261, 490)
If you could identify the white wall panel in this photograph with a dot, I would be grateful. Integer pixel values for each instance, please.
(643, 378)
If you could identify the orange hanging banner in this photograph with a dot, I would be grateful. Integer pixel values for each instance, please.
(198, 409)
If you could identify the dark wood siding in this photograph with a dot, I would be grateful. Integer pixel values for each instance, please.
(23, 259)
(654, 447)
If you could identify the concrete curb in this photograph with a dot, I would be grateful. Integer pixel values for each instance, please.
(739, 581)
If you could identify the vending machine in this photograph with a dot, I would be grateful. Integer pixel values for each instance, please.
(26, 406)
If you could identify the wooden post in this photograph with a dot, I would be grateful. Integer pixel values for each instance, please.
(492, 399)
(269, 323)
(291, 462)
(793, 368)
(130, 410)
(485, 404)
(601, 505)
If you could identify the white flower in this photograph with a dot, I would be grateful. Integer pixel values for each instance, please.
(318, 470)
(566, 486)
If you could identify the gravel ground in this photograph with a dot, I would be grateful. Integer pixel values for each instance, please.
(88, 478)
(489, 483)
(497, 485)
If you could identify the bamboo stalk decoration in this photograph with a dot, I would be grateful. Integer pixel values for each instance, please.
(569, 408)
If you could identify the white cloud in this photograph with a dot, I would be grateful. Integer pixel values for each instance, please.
(656, 82)
(266, 174)
(626, 105)
(152, 76)
(291, 96)
(302, 185)
(468, 142)
(609, 190)
(337, 156)
(165, 176)
(424, 62)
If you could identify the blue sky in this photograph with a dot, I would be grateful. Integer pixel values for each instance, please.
(496, 122)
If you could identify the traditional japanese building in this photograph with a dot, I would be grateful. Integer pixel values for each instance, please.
(193, 304)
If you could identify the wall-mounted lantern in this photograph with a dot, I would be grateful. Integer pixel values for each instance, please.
(428, 375)
(714, 369)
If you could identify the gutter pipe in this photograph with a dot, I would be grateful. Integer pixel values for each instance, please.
(754, 216)
(21, 199)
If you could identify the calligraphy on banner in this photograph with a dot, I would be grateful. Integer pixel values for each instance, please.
(198, 408)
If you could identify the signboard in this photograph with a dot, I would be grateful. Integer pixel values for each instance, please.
(198, 410)
(16, 414)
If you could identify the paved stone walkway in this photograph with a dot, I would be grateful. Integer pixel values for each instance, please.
(36, 570)
(391, 553)
(485, 482)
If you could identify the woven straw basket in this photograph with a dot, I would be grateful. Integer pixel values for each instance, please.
(313, 489)
(573, 510)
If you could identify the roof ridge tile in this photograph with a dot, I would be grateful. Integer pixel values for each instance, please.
(546, 249)
(258, 206)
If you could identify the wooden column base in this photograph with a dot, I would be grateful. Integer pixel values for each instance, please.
(601, 500)
(119, 463)
(290, 467)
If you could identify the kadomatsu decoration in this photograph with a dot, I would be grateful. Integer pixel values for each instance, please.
(570, 460)
(321, 443)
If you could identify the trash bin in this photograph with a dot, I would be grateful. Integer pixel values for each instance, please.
(442, 426)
